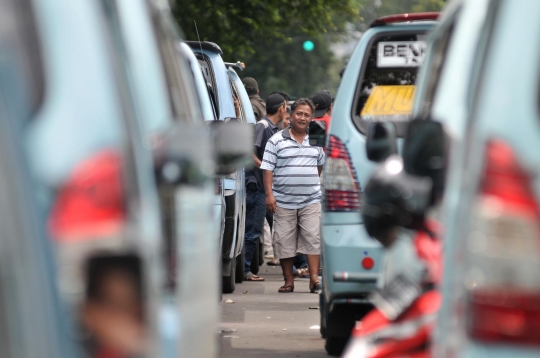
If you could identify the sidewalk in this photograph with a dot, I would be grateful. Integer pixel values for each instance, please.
(264, 323)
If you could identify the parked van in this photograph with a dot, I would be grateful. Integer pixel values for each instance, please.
(378, 85)
(223, 85)
(481, 83)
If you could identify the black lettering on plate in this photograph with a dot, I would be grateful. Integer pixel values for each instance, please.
(388, 51)
(402, 50)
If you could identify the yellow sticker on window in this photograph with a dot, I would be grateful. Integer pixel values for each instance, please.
(389, 100)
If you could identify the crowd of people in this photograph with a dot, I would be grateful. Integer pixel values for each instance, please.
(283, 204)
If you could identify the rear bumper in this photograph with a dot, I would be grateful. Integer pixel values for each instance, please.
(343, 249)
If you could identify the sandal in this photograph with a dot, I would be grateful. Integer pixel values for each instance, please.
(316, 287)
(302, 273)
(252, 277)
(286, 289)
(273, 262)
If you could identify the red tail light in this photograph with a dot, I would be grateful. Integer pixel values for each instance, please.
(341, 188)
(504, 253)
(91, 203)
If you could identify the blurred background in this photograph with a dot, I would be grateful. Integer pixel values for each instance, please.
(297, 46)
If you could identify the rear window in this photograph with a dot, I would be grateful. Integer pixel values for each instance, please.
(387, 81)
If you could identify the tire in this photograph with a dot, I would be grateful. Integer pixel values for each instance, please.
(240, 266)
(339, 325)
(322, 309)
(261, 253)
(255, 260)
(228, 282)
(335, 345)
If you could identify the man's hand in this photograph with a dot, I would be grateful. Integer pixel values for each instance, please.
(271, 204)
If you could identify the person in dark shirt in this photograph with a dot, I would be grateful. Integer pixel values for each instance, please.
(252, 89)
(276, 107)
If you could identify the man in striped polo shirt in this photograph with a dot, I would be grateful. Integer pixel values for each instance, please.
(293, 194)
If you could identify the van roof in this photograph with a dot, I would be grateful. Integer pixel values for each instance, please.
(206, 45)
(405, 18)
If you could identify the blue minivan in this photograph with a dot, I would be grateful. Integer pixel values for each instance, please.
(378, 85)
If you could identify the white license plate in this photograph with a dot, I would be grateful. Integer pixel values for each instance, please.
(400, 53)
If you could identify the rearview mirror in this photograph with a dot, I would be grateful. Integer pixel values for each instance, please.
(381, 141)
(233, 145)
(317, 133)
(425, 152)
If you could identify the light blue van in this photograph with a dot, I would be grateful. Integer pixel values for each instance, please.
(222, 83)
(377, 85)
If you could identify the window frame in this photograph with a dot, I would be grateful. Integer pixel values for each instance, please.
(359, 123)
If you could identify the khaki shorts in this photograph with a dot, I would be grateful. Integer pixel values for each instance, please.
(290, 224)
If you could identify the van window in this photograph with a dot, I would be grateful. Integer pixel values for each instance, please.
(387, 81)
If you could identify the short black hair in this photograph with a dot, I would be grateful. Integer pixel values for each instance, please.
(302, 101)
(100, 265)
(284, 95)
(273, 110)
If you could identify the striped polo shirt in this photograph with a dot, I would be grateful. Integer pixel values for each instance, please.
(296, 178)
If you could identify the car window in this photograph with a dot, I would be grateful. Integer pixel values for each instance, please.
(208, 74)
(182, 95)
(387, 81)
(240, 103)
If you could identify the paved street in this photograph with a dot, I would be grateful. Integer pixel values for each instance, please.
(266, 323)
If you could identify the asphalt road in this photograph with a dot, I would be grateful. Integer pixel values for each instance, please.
(264, 323)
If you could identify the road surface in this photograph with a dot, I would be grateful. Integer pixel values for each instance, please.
(264, 323)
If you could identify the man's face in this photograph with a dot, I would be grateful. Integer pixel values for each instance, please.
(301, 117)
(282, 111)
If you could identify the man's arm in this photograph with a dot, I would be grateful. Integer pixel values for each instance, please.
(257, 161)
(319, 168)
(268, 178)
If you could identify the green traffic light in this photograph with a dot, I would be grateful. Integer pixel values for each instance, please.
(309, 45)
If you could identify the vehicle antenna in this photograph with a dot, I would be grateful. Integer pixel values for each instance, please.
(197, 30)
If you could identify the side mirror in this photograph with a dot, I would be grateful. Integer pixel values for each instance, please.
(183, 155)
(233, 145)
(425, 152)
(317, 133)
(394, 198)
(381, 141)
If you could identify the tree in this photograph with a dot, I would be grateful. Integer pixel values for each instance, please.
(237, 26)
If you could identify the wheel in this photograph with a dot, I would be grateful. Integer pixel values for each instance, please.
(322, 310)
(335, 345)
(229, 281)
(240, 263)
(261, 252)
(255, 260)
(339, 325)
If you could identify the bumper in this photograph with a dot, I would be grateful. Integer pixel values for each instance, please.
(343, 249)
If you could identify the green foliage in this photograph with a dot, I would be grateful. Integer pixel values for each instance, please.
(268, 35)
(237, 26)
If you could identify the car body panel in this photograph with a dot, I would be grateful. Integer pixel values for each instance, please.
(343, 231)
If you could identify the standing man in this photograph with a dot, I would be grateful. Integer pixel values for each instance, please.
(323, 107)
(276, 107)
(252, 89)
(293, 194)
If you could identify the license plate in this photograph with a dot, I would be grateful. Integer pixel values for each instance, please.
(396, 297)
(400, 53)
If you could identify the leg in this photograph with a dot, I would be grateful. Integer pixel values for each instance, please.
(255, 212)
(287, 267)
(314, 262)
(309, 242)
(285, 230)
(267, 235)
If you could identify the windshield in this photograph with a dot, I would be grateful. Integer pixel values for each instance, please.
(387, 83)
